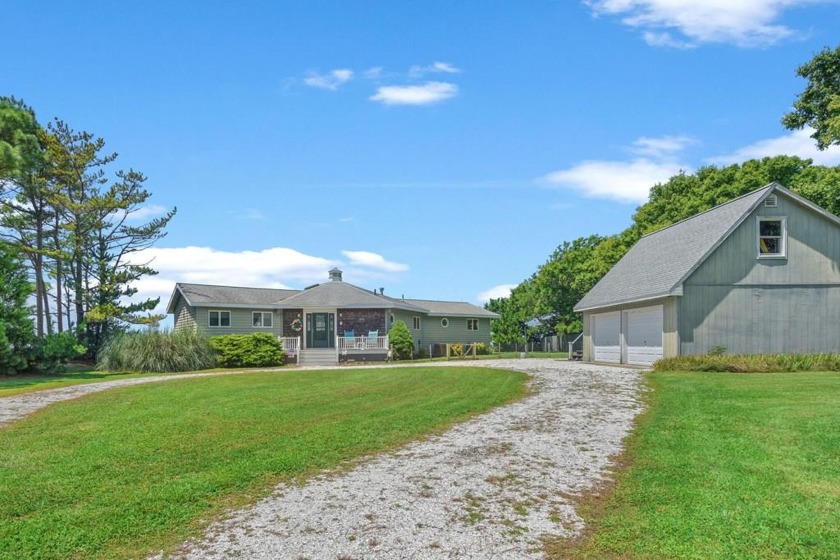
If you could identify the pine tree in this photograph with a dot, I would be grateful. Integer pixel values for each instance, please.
(16, 329)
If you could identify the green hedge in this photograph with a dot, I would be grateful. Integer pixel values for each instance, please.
(248, 350)
(751, 363)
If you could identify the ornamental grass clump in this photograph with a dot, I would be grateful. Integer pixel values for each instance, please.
(156, 352)
(751, 363)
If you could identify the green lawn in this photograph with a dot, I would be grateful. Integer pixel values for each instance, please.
(726, 466)
(28, 382)
(125, 472)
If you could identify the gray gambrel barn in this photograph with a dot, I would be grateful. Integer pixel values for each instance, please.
(757, 275)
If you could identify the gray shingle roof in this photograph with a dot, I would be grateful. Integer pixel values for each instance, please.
(452, 308)
(328, 294)
(659, 262)
(230, 296)
(341, 294)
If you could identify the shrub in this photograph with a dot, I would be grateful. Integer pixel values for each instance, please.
(401, 341)
(248, 350)
(54, 351)
(455, 350)
(183, 350)
(751, 363)
(481, 348)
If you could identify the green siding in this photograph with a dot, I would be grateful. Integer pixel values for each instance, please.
(752, 305)
(407, 317)
(431, 331)
(456, 332)
(240, 322)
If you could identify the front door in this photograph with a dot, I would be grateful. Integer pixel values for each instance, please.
(320, 330)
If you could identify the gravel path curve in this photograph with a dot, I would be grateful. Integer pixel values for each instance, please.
(487, 489)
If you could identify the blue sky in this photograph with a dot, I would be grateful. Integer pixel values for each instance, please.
(436, 149)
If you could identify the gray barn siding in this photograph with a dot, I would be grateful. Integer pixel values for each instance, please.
(752, 305)
(240, 322)
(813, 252)
(760, 320)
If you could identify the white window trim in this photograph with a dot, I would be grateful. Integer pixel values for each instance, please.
(444, 322)
(262, 324)
(782, 240)
(220, 325)
(469, 322)
(417, 324)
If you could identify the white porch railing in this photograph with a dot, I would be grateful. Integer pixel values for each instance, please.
(291, 346)
(347, 344)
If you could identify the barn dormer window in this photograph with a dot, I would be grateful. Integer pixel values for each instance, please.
(772, 238)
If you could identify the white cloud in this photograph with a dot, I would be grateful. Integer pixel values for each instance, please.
(622, 181)
(373, 260)
(745, 23)
(434, 68)
(145, 212)
(662, 147)
(625, 181)
(496, 292)
(797, 143)
(426, 94)
(331, 80)
(270, 268)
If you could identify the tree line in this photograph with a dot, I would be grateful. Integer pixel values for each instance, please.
(67, 218)
(574, 267)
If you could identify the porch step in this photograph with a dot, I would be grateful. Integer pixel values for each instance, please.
(318, 357)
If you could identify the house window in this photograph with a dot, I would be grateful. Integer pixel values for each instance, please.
(262, 319)
(417, 323)
(472, 324)
(444, 322)
(771, 237)
(392, 318)
(218, 318)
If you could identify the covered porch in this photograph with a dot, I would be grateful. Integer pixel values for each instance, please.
(335, 335)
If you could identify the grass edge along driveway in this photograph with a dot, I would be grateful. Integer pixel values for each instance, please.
(127, 472)
(724, 466)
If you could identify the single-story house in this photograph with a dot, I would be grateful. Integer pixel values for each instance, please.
(757, 275)
(328, 322)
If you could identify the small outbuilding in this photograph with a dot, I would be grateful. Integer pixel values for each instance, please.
(757, 275)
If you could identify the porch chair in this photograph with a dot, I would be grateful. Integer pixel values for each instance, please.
(372, 339)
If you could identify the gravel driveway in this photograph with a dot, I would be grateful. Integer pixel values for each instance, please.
(489, 488)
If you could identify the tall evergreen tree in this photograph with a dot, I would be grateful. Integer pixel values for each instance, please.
(16, 329)
(26, 211)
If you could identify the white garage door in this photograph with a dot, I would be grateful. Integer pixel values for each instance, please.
(606, 337)
(644, 335)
